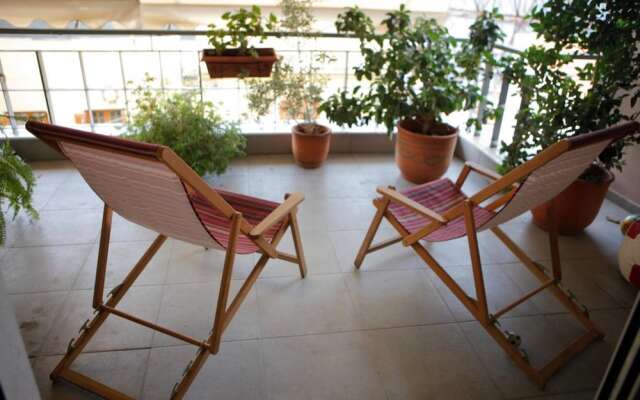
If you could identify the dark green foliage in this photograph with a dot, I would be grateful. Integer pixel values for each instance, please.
(561, 105)
(239, 27)
(193, 129)
(413, 70)
(16, 186)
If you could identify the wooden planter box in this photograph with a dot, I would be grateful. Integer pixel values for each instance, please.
(231, 65)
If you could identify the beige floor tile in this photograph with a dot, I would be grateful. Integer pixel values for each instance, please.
(543, 337)
(116, 333)
(39, 269)
(583, 395)
(120, 260)
(124, 231)
(194, 264)
(451, 253)
(294, 306)
(355, 214)
(396, 298)
(313, 185)
(73, 194)
(56, 228)
(335, 366)
(312, 215)
(122, 370)
(589, 367)
(500, 290)
(234, 182)
(190, 309)
(36, 313)
(236, 372)
(395, 257)
(318, 251)
(430, 362)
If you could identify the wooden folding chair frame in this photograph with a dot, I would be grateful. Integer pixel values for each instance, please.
(285, 213)
(477, 306)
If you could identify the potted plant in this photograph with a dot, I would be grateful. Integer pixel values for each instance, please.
(16, 186)
(190, 127)
(231, 55)
(299, 87)
(413, 74)
(557, 104)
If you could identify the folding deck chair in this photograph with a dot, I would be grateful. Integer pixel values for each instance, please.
(150, 185)
(439, 211)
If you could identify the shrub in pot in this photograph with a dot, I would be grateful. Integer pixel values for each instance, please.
(298, 85)
(413, 74)
(190, 127)
(16, 186)
(232, 56)
(557, 104)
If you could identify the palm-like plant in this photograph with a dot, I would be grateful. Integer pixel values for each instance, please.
(16, 186)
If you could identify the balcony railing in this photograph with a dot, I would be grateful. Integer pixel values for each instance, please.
(86, 78)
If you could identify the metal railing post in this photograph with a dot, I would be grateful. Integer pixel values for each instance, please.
(45, 86)
(502, 100)
(124, 85)
(199, 76)
(161, 71)
(346, 69)
(86, 91)
(7, 101)
(486, 81)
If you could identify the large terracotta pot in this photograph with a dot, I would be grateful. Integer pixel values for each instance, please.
(310, 144)
(577, 206)
(422, 158)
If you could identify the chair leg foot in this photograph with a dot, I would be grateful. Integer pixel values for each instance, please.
(189, 374)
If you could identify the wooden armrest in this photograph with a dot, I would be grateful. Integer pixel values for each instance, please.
(483, 171)
(276, 215)
(407, 202)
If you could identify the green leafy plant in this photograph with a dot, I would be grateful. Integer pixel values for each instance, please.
(559, 103)
(238, 28)
(16, 186)
(189, 126)
(413, 70)
(299, 85)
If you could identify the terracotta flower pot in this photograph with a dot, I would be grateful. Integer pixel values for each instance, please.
(310, 144)
(422, 158)
(230, 64)
(576, 207)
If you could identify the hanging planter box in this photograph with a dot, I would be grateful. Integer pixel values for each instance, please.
(230, 64)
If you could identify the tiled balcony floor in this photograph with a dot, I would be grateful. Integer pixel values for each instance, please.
(389, 331)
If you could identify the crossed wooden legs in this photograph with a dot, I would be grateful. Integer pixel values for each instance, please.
(223, 314)
(509, 341)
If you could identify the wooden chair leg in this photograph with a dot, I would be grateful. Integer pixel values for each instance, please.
(476, 263)
(371, 232)
(91, 326)
(103, 251)
(225, 284)
(553, 242)
(297, 242)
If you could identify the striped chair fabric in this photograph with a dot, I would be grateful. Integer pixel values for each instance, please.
(439, 196)
(150, 194)
(540, 186)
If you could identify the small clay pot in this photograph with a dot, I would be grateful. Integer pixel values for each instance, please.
(577, 206)
(424, 157)
(310, 144)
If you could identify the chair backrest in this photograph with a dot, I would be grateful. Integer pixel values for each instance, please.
(546, 175)
(147, 184)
